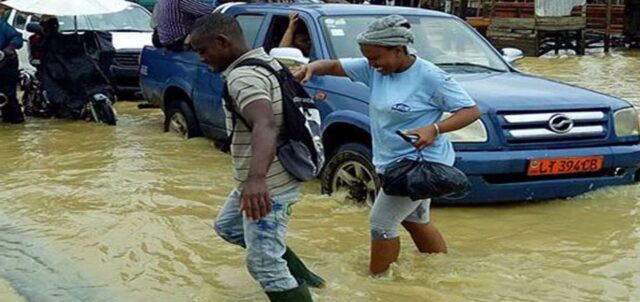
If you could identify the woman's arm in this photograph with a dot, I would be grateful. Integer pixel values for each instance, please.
(319, 68)
(460, 119)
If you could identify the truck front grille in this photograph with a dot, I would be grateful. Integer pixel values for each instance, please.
(521, 128)
(126, 58)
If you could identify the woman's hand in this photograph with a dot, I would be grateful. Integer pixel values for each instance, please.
(302, 73)
(426, 136)
(318, 68)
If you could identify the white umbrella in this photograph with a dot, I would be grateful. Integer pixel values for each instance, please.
(68, 7)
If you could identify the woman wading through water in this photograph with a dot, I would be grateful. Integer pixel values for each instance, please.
(411, 95)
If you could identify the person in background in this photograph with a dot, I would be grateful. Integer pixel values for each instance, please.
(408, 94)
(173, 20)
(296, 36)
(153, 23)
(10, 41)
(4, 12)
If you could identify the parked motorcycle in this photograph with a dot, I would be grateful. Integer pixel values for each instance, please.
(71, 80)
(4, 100)
(34, 99)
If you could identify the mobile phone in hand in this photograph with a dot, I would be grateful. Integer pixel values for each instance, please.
(411, 139)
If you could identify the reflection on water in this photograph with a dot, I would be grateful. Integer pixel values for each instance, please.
(93, 213)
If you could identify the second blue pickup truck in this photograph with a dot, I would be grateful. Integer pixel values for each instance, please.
(537, 139)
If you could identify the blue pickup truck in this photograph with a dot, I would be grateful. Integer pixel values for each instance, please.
(537, 139)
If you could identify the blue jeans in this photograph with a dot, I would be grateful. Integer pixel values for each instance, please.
(264, 239)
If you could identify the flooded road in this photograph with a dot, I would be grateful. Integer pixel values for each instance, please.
(96, 213)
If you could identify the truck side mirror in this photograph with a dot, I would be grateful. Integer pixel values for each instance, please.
(289, 56)
(512, 54)
(34, 27)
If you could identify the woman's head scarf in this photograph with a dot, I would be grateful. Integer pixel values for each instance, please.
(393, 30)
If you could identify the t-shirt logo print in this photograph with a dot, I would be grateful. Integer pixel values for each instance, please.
(401, 108)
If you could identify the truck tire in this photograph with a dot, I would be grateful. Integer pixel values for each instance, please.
(181, 119)
(350, 170)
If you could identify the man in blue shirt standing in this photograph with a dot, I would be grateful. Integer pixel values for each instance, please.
(10, 41)
(174, 19)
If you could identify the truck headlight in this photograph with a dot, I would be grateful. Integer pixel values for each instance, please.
(626, 122)
(474, 133)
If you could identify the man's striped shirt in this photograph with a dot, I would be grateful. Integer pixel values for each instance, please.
(246, 85)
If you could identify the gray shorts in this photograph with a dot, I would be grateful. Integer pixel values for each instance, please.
(389, 212)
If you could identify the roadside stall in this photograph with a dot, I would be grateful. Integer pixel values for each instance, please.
(539, 26)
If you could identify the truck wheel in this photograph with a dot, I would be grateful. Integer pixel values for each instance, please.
(350, 170)
(180, 119)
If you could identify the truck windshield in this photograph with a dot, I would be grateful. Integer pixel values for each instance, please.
(446, 42)
(134, 18)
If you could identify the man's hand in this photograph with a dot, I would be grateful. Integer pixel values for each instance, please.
(302, 73)
(293, 20)
(255, 201)
(426, 136)
(9, 51)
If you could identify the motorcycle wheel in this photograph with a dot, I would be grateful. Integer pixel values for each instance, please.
(103, 112)
(108, 113)
(28, 100)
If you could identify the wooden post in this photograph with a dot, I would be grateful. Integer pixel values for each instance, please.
(492, 9)
(448, 6)
(580, 43)
(632, 22)
(607, 28)
(463, 9)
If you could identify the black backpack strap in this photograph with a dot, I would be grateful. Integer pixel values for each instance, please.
(230, 106)
(260, 63)
(228, 101)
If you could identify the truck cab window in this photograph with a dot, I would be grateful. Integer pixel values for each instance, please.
(298, 37)
(250, 26)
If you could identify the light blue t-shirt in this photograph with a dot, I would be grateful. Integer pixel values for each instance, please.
(414, 98)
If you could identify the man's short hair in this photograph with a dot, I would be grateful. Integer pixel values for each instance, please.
(301, 30)
(217, 24)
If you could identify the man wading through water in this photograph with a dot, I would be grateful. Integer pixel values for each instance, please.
(256, 213)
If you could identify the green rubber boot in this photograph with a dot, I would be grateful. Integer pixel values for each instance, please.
(300, 271)
(298, 294)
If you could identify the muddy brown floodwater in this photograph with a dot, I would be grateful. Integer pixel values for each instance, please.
(96, 213)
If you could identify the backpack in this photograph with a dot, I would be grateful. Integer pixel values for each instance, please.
(299, 145)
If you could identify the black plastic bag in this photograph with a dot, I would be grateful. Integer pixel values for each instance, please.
(419, 179)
